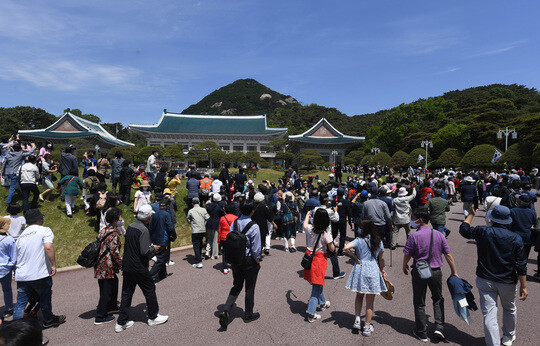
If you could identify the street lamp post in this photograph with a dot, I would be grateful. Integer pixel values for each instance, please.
(427, 144)
(506, 132)
(375, 151)
(334, 154)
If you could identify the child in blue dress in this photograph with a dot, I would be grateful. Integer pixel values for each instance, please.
(366, 278)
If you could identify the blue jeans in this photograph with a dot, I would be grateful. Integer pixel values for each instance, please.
(440, 228)
(8, 294)
(317, 298)
(43, 288)
(14, 178)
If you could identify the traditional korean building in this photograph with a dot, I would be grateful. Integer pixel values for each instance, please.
(231, 132)
(70, 126)
(324, 137)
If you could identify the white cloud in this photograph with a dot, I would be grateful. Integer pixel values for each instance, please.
(499, 50)
(67, 75)
(450, 70)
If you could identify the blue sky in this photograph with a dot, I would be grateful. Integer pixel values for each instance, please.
(128, 60)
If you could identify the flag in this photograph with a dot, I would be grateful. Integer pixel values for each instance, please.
(420, 158)
(496, 156)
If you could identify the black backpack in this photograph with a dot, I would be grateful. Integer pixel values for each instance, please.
(234, 247)
(95, 186)
(90, 254)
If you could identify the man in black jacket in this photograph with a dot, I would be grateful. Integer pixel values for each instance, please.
(138, 250)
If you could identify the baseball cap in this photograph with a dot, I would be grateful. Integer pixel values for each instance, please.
(145, 211)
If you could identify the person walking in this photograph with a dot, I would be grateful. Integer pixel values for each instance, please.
(366, 278)
(29, 176)
(216, 210)
(401, 217)
(108, 265)
(102, 165)
(116, 168)
(288, 212)
(36, 265)
(524, 221)
(437, 208)
(197, 218)
(18, 222)
(71, 183)
(248, 270)
(151, 166)
(11, 166)
(161, 228)
(377, 211)
(344, 210)
(469, 194)
(264, 217)
(225, 224)
(430, 246)
(192, 186)
(48, 169)
(501, 265)
(126, 180)
(318, 242)
(143, 196)
(137, 253)
(8, 258)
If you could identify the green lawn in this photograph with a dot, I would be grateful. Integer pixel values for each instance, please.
(73, 234)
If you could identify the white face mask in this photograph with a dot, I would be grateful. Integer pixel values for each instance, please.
(120, 223)
(145, 189)
(415, 224)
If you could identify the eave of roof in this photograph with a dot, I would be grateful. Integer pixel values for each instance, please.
(175, 123)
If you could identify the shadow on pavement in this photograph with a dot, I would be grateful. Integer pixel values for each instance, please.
(342, 319)
(297, 307)
(233, 314)
(135, 313)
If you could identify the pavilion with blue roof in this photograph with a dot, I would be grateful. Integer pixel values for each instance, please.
(71, 126)
(331, 143)
(231, 132)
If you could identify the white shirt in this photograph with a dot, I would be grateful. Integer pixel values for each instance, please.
(216, 186)
(311, 238)
(18, 223)
(32, 261)
(151, 164)
(29, 173)
(143, 198)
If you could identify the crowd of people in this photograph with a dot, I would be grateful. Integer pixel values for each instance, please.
(233, 217)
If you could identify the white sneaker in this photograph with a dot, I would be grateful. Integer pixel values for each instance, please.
(314, 318)
(160, 319)
(508, 340)
(325, 306)
(170, 263)
(119, 328)
(357, 325)
(197, 265)
(154, 259)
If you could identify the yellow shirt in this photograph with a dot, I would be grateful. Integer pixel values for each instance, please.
(172, 183)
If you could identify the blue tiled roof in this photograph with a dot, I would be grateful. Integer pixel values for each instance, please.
(210, 124)
(327, 140)
(86, 129)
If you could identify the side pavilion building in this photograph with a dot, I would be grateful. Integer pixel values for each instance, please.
(331, 144)
(231, 132)
(70, 126)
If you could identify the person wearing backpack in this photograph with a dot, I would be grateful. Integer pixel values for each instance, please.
(102, 165)
(90, 187)
(225, 224)
(245, 264)
(108, 265)
(71, 183)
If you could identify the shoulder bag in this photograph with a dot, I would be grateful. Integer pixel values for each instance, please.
(307, 259)
(390, 289)
(423, 267)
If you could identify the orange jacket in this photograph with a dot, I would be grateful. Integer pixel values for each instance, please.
(225, 224)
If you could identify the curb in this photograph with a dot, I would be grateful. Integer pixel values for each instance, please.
(77, 267)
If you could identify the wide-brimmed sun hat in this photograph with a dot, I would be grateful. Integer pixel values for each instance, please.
(500, 214)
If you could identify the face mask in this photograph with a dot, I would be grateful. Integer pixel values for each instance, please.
(120, 223)
(145, 189)
(415, 224)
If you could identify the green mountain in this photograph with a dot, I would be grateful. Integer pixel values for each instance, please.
(242, 97)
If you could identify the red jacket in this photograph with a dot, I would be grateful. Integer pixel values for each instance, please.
(426, 193)
(225, 224)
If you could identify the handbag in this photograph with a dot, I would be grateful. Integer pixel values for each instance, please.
(307, 259)
(423, 267)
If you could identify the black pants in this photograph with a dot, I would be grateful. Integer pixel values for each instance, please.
(148, 288)
(168, 252)
(125, 194)
(340, 228)
(419, 300)
(100, 177)
(26, 188)
(159, 269)
(246, 272)
(108, 295)
(384, 233)
(197, 240)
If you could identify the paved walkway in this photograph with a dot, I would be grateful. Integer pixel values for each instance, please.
(192, 297)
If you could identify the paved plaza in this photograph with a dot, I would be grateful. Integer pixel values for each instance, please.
(192, 298)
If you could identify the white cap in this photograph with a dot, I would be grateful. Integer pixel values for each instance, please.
(216, 197)
(145, 211)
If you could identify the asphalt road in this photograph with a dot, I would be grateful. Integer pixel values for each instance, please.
(192, 297)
